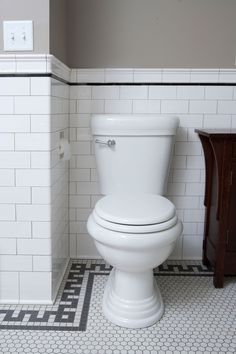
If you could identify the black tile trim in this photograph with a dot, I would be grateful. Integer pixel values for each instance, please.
(69, 299)
(53, 76)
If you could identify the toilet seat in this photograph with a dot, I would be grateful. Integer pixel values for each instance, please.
(139, 213)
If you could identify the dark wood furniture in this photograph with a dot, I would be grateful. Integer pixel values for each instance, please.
(219, 244)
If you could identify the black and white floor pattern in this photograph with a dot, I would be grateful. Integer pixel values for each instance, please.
(198, 318)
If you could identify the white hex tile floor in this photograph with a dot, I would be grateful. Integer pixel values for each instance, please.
(198, 318)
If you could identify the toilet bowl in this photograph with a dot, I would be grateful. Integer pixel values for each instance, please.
(134, 233)
(134, 227)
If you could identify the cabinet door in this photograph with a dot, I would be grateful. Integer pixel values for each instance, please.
(231, 237)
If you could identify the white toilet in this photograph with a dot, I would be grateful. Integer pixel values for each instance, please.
(134, 227)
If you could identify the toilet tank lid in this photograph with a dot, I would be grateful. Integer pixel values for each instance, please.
(127, 124)
(135, 209)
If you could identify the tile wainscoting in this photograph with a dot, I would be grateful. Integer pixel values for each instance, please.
(37, 96)
(33, 187)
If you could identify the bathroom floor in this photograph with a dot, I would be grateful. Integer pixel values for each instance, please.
(198, 318)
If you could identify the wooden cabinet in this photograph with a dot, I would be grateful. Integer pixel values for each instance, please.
(219, 244)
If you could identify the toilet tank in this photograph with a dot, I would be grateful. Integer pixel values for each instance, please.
(133, 152)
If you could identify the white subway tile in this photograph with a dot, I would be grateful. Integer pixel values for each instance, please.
(162, 92)
(34, 141)
(82, 214)
(33, 177)
(94, 175)
(86, 247)
(192, 247)
(80, 201)
(201, 106)
(15, 263)
(218, 92)
(42, 264)
(72, 214)
(41, 195)
(81, 174)
(80, 92)
(176, 189)
(6, 141)
(41, 123)
(15, 195)
(192, 135)
(178, 75)
(179, 162)
(190, 92)
(32, 105)
(217, 121)
(7, 212)
(7, 177)
(187, 148)
(40, 160)
(72, 188)
(133, 92)
(118, 106)
(233, 123)
(41, 229)
(80, 148)
(86, 161)
(33, 212)
(73, 250)
(146, 106)
(90, 106)
(195, 189)
(72, 106)
(147, 75)
(227, 107)
(174, 106)
(204, 75)
(14, 123)
(195, 162)
(185, 202)
(191, 120)
(80, 120)
(34, 246)
(87, 188)
(194, 215)
(6, 105)
(105, 92)
(181, 134)
(13, 86)
(90, 75)
(119, 75)
(186, 175)
(190, 228)
(40, 86)
(9, 290)
(15, 229)
(35, 286)
(7, 246)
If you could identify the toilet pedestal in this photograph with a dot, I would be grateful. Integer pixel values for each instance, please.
(132, 299)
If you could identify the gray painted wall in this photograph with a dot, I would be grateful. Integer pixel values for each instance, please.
(151, 33)
(36, 10)
(58, 29)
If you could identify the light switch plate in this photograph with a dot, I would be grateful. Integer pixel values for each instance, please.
(18, 35)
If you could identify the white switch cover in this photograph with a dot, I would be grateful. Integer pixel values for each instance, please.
(18, 35)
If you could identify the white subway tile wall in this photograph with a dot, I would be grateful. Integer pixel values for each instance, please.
(33, 188)
(196, 106)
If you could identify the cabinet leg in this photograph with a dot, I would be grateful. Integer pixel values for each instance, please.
(205, 261)
(218, 280)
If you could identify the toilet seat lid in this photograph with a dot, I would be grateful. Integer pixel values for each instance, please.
(135, 209)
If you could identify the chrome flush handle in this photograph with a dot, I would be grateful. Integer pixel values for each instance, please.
(109, 142)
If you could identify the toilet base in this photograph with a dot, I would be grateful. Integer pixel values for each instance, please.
(132, 300)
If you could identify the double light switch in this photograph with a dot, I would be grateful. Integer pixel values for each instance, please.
(18, 35)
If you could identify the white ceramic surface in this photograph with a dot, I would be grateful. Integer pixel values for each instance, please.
(134, 228)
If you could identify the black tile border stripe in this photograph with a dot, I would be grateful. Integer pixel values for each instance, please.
(53, 76)
(71, 292)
